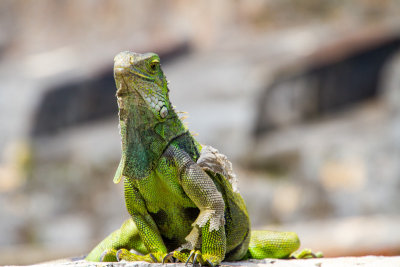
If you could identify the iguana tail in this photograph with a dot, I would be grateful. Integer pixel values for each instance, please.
(272, 244)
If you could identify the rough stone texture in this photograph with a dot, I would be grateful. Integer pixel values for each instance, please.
(367, 261)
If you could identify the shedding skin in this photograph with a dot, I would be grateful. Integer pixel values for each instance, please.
(181, 196)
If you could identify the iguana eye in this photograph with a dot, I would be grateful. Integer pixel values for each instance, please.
(154, 64)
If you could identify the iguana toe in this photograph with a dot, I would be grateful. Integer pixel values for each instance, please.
(210, 263)
(110, 255)
(124, 254)
(306, 254)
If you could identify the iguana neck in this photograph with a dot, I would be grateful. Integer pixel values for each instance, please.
(144, 139)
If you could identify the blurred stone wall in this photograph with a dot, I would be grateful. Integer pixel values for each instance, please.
(341, 155)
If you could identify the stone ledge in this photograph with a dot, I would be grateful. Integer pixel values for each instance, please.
(366, 261)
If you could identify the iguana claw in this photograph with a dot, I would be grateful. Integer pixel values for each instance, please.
(192, 253)
(153, 258)
(118, 255)
(195, 258)
(169, 257)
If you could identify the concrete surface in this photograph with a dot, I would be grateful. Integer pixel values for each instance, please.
(367, 261)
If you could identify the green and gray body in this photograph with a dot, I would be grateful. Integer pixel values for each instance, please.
(181, 195)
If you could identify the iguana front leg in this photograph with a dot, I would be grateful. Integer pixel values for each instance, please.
(125, 237)
(200, 188)
(139, 233)
(147, 228)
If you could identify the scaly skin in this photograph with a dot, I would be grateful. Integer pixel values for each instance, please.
(178, 208)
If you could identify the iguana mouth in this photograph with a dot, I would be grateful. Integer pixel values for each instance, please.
(122, 89)
(121, 94)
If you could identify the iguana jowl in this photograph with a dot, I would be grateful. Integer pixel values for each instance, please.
(179, 194)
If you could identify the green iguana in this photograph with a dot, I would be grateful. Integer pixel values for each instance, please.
(181, 195)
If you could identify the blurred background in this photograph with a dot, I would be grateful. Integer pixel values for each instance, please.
(302, 96)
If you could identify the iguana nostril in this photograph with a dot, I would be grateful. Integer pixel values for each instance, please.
(120, 70)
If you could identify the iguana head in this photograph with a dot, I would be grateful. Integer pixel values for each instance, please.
(141, 83)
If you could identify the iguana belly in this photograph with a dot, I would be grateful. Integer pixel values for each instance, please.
(168, 205)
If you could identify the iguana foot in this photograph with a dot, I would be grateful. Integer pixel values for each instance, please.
(124, 254)
(110, 255)
(306, 254)
(193, 256)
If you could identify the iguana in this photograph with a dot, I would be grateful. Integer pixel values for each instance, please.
(181, 195)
